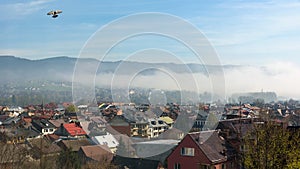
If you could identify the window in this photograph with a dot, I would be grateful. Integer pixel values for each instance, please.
(223, 166)
(176, 166)
(204, 166)
(187, 151)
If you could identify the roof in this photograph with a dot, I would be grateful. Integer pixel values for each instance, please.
(167, 119)
(75, 145)
(107, 139)
(57, 122)
(43, 123)
(135, 163)
(128, 142)
(119, 120)
(172, 133)
(97, 152)
(211, 145)
(133, 116)
(99, 120)
(238, 125)
(25, 132)
(74, 130)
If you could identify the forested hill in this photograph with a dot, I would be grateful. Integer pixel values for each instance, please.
(61, 68)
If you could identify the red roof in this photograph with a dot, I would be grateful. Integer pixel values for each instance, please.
(74, 130)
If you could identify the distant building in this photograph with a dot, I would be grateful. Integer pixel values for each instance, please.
(250, 97)
(71, 130)
(200, 121)
(121, 125)
(169, 121)
(156, 127)
(43, 126)
(108, 140)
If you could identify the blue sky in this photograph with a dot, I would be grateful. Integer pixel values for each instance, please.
(242, 32)
(263, 35)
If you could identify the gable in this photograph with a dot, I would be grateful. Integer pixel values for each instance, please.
(188, 142)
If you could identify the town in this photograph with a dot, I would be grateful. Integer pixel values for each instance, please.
(149, 84)
(133, 136)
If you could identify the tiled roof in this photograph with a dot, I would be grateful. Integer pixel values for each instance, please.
(74, 130)
(211, 145)
(75, 145)
(97, 152)
(57, 122)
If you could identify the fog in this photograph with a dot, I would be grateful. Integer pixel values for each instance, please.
(279, 77)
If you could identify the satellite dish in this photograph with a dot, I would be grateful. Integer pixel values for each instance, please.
(54, 13)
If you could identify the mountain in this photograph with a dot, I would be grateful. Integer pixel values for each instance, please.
(14, 69)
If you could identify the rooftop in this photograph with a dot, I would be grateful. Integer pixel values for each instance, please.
(74, 129)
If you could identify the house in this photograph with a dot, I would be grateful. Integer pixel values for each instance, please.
(71, 130)
(202, 150)
(136, 163)
(100, 153)
(57, 122)
(234, 130)
(18, 135)
(96, 126)
(10, 121)
(43, 126)
(200, 121)
(150, 148)
(156, 127)
(168, 121)
(108, 140)
(138, 123)
(120, 124)
(73, 145)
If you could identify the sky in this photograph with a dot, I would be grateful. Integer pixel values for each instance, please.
(242, 32)
(261, 34)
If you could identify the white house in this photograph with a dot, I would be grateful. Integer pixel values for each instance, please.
(156, 127)
(108, 140)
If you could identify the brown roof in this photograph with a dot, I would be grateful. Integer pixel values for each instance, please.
(97, 152)
(211, 145)
(52, 137)
(57, 122)
(75, 145)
